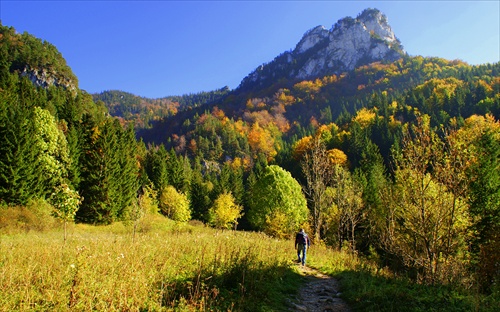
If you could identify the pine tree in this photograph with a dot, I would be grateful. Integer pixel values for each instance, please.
(199, 196)
(175, 170)
(485, 188)
(127, 179)
(156, 168)
(21, 176)
(100, 174)
(74, 141)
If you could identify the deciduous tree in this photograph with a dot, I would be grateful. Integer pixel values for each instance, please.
(277, 193)
(66, 202)
(225, 212)
(426, 223)
(318, 171)
(175, 205)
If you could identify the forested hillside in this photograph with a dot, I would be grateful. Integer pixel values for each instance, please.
(142, 112)
(271, 121)
(397, 161)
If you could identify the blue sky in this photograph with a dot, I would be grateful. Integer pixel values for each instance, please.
(161, 48)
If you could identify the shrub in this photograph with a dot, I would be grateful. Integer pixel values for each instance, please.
(225, 212)
(36, 216)
(175, 205)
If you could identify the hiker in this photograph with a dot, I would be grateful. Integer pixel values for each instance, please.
(302, 242)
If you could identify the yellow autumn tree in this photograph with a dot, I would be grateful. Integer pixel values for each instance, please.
(301, 147)
(364, 117)
(426, 219)
(225, 212)
(283, 97)
(439, 90)
(337, 157)
(324, 132)
(261, 141)
(175, 205)
(308, 88)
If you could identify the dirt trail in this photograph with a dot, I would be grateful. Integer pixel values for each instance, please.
(320, 293)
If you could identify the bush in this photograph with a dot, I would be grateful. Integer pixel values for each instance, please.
(225, 212)
(175, 205)
(36, 216)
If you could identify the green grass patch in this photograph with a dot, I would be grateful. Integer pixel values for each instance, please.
(368, 288)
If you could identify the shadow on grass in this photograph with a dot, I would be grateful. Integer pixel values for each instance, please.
(365, 291)
(241, 286)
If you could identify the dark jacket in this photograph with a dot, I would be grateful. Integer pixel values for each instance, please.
(299, 239)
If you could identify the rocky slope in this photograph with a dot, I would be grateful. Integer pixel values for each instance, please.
(48, 77)
(36, 59)
(348, 44)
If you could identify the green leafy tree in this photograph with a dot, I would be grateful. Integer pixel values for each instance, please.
(52, 147)
(225, 212)
(175, 205)
(66, 202)
(426, 223)
(277, 197)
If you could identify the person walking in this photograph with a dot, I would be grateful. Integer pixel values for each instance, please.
(302, 243)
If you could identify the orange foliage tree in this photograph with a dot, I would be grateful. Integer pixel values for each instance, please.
(261, 141)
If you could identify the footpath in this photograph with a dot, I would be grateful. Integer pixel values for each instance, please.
(320, 293)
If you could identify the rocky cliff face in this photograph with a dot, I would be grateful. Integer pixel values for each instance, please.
(45, 78)
(348, 44)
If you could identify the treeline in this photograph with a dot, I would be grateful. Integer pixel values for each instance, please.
(142, 111)
(382, 132)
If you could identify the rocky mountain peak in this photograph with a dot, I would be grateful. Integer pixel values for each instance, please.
(351, 42)
(376, 22)
(311, 38)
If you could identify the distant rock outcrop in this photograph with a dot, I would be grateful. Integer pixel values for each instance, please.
(45, 78)
(350, 43)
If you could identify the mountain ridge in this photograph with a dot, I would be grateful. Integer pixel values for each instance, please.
(350, 43)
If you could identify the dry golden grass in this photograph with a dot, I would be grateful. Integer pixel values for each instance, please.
(165, 268)
(171, 267)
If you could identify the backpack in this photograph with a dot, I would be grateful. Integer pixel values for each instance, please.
(302, 238)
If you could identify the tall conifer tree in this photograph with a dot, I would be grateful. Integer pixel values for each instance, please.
(20, 172)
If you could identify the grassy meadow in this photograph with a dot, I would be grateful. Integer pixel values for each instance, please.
(167, 267)
(170, 267)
